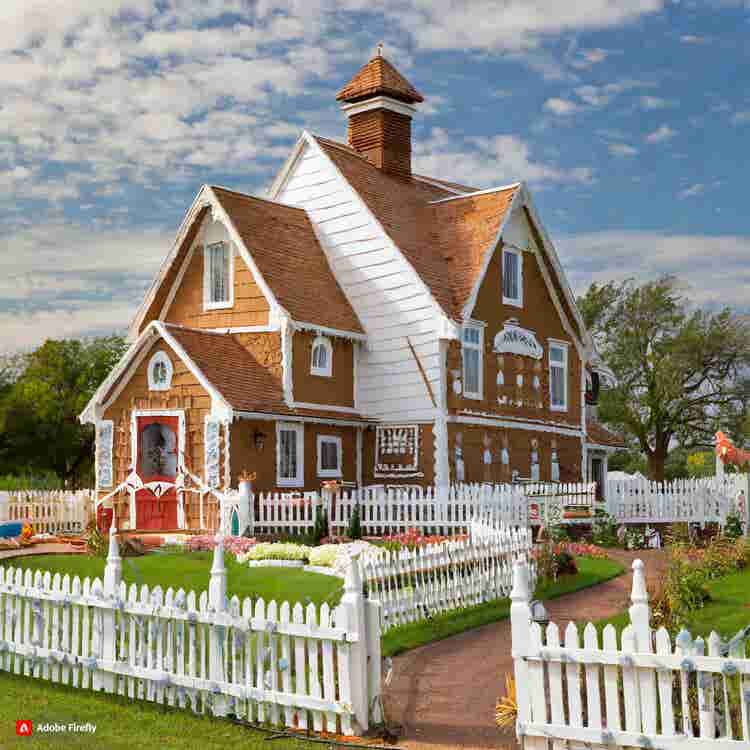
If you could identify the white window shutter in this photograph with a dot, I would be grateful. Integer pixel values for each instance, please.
(104, 439)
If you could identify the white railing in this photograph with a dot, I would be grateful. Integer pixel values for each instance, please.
(308, 668)
(643, 692)
(52, 512)
(413, 585)
(438, 510)
(704, 500)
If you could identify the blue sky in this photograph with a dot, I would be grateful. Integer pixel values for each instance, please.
(629, 119)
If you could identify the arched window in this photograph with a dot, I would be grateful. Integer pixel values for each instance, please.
(322, 357)
(160, 372)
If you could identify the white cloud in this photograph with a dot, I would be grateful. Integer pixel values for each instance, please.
(653, 102)
(714, 266)
(585, 58)
(698, 188)
(662, 133)
(693, 39)
(488, 161)
(740, 118)
(622, 149)
(562, 107)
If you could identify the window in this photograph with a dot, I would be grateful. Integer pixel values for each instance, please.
(322, 357)
(512, 277)
(160, 372)
(329, 456)
(217, 277)
(290, 446)
(558, 376)
(472, 339)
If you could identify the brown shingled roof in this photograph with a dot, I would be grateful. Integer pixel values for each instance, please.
(245, 383)
(444, 242)
(598, 434)
(379, 77)
(283, 245)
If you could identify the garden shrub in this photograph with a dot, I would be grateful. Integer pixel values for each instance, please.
(325, 555)
(553, 560)
(320, 529)
(276, 551)
(354, 530)
(635, 538)
(733, 527)
(604, 531)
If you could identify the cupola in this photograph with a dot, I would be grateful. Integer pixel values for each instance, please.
(379, 103)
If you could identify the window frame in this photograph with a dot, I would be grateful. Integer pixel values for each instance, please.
(160, 357)
(518, 301)
(327, 371)
(477, 395)
(299, 479)
(562, 346)
(208, 303)
(338, 472)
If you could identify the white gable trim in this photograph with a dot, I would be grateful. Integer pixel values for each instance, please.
(206, 198)
(440, 314)
(488, 253)
(281, 178)
(130, 361)
(522, 198)
(472, 193)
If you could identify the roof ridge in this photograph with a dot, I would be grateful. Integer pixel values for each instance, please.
(498, 189)
(256, 197)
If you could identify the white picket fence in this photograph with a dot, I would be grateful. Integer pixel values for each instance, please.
(643, 692)
(413, 585)
(309, 668)
(52, 512)
(704, 500)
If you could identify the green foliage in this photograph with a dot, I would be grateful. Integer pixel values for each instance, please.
(354, 530)
(320, 529)
(96, 543)
(679, 370)
(41, 481)
(604, 531)
(635, 538)
(39, 427)
(558, 533)
(733, 527)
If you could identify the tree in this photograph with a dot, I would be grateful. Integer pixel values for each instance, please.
(39, 411)
(679, 370)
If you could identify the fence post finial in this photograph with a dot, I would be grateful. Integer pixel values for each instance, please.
(638, 593)
(520, 591)
(113, 568)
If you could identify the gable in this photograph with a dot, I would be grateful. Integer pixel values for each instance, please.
(186, 307)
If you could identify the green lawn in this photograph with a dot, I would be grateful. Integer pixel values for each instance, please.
(191, 571)
(727, 612)
(121, 724)
(590, 572)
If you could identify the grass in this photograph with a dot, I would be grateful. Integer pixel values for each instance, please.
(590, 572)
(727, 612)
(191, 571)
(121, 724)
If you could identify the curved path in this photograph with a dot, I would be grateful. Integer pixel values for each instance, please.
(444, 694)
(50, 548)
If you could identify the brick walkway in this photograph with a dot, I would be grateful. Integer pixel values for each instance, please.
(444, 694)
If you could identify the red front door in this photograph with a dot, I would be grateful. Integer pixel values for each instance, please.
(158, 450)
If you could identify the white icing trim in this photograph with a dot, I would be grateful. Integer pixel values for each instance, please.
(379, 102)
(514, 339)
(473, 193)
(483, 418)
(324, 407)
(102, 423)
(326, 331)
(272, 417)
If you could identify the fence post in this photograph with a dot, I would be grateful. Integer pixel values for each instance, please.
(373, 612)
(247, 505)
(520, 628)
(111, 590)
(353, 608)
(217, 603)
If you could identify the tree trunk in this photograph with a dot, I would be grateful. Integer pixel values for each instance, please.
(656, 460)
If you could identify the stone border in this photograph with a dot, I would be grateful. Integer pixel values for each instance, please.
(323, 570)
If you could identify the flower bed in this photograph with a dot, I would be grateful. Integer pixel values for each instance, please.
(413, 538)
(237, 545)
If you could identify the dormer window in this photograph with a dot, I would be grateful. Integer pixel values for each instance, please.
(512, 277)
(160, 372)
(217, 276)
(472, 337)
(322, 357)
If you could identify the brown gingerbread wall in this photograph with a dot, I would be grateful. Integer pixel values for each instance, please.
(426, 459)
(186, 393)
(539, 315)
(474, 438)
(250, 306)
(246, 457)
(315, 389)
